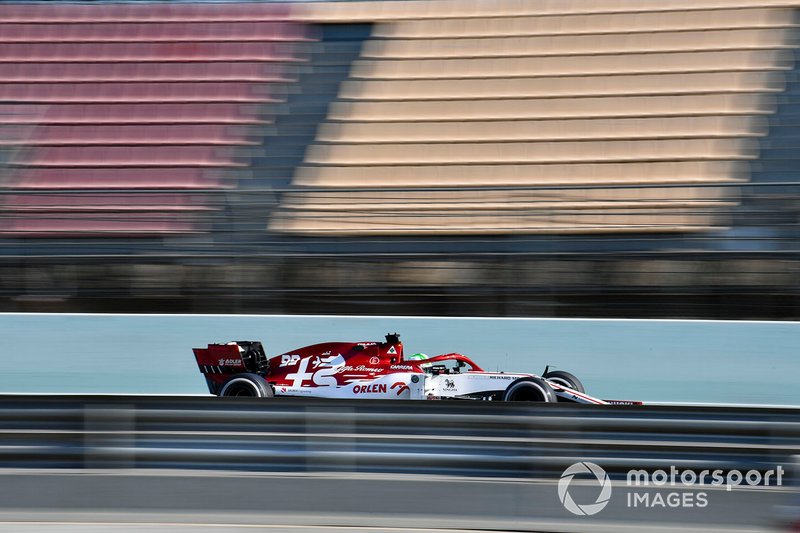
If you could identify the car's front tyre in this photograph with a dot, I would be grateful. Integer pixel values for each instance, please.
(246, 385)
(530, 390)
(559, 377)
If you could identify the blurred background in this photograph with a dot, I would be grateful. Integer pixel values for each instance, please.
(434, 157)
(631, 159)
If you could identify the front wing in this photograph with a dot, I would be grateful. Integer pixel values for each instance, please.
(492, 386)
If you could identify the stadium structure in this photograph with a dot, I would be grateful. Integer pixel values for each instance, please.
(436, 157)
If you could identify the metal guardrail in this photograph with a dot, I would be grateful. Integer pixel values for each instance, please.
(441, 438)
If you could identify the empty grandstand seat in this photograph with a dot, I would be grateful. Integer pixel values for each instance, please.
(152, 178)
(215, 31)
(128, 156)
(615, 106)
(522, 130)
(134, 134)
(577, 23)
(239, 71)
(120, 109)
(184, 91)
(133, 113)
(656, 114)
(136, 52)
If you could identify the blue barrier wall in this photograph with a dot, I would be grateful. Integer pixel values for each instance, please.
(652, 360)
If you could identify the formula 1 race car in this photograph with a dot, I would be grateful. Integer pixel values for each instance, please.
(376, 370)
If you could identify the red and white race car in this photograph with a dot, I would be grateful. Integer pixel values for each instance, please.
(376, 370)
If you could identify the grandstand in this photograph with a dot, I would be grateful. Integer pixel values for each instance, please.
(476, 122)
(136, 113)
(506, 157)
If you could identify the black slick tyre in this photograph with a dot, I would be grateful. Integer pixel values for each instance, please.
(246, 385)
(529, 390)
(566, 379)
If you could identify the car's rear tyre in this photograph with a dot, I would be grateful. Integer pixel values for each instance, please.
(530, 390)
(559, 377)
(246, 385)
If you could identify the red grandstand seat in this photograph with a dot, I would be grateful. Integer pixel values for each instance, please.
(111, 98)
(133, 113)
(86, 134)
(152, 12)
(197, 11)
(251, 71)
(143, 51)
(57, 224)
(118, 178)
(133, 92)
(85, 201)
(100, 213)
(168, 31)
(144, 156)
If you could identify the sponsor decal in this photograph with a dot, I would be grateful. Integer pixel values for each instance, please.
(359, 368)
(374, 360)
(500, 377)
(230, 362)
(289, 360)
(414, 379)
(325, 361)
(400, 386)
(392, 351)
(449, 384)
(302, 374)
(322, 372)
(375, 388)
(401, 367)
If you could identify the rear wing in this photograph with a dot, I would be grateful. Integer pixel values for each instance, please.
(218, 362)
